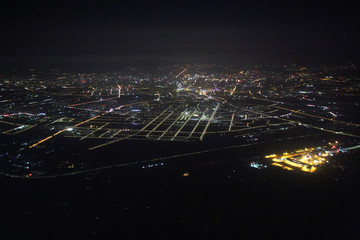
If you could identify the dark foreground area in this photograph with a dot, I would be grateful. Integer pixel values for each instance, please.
(220, 200)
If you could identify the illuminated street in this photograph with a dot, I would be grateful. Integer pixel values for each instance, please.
(154, 120)
(188, 108)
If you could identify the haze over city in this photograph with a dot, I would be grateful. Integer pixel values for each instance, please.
(179, 119)
(60, 33)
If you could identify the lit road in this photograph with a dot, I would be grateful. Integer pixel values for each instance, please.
(76, 125)
(10, 123)
(208, 124)
(231, 122)
(99, 128)
(311, 115)
(197, 124)
(95, 101)
(152, 130)
(63, 130)
(132, 115)
(187, 120)
(128, 136)
(128, 164)
(20, 129)
(104, 133)
(172, 124)
(181, 73)
(116, 133)
(232, 91)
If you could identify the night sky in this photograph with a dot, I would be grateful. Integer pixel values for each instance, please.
(83, 32)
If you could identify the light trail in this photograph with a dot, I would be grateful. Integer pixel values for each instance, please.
(208, 124)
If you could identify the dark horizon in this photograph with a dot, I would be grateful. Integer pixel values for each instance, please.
(60, 34)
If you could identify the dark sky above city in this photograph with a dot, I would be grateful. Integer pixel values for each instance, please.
(185, 31)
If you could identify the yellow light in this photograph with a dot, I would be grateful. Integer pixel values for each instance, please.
(304, 159)
(306, 169)
(277, 160)
(287, 168)
(282, 166)
(294, 164)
